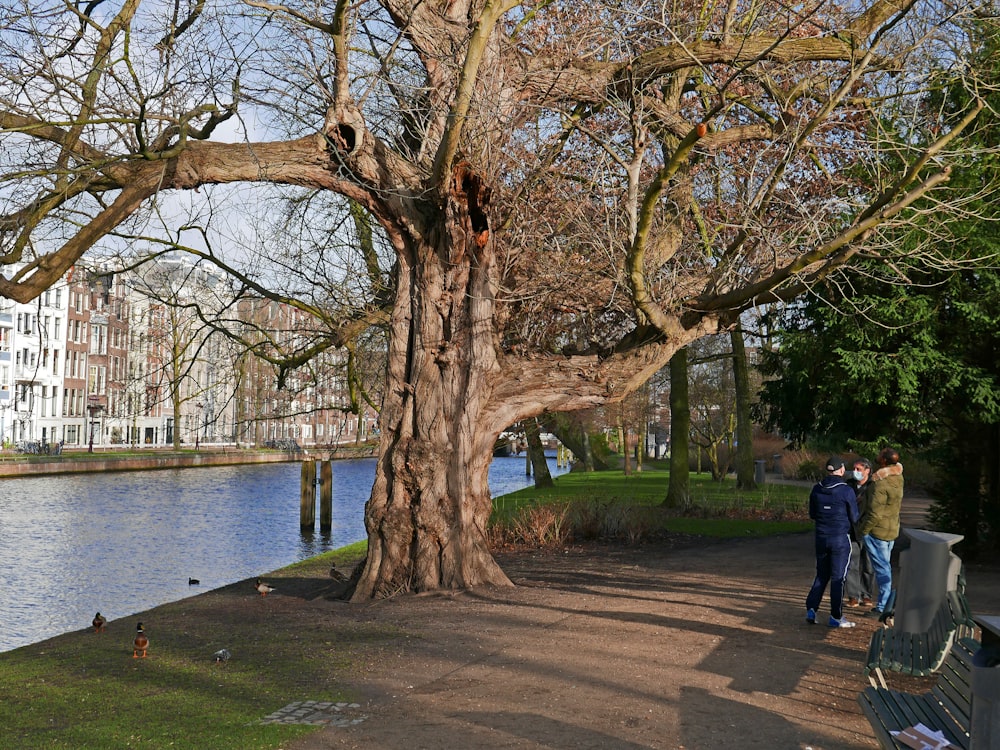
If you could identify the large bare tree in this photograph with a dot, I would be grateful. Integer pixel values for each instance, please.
(561, 194)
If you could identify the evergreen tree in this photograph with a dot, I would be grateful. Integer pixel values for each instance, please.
(919, 364)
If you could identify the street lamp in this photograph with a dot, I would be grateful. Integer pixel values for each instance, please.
(197, 430)
(93, 408)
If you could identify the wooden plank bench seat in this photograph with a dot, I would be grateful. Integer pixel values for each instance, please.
(947, 707)
(919, 654)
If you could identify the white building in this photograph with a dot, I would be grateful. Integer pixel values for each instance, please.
(32, 353)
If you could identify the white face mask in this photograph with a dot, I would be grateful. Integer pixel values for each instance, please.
(858, 476)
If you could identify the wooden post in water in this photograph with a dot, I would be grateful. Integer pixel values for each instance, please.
(307, 504)
(325, 495)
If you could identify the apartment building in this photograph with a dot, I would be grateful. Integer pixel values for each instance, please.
(314, 406)
(108, 359)
(31, 357)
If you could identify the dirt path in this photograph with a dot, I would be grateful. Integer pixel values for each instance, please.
(601, 647)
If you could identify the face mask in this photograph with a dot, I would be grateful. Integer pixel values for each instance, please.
(858, 476)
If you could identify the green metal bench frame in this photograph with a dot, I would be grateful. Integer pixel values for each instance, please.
(919, 654)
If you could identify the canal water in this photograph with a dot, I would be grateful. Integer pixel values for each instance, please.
(123, 542)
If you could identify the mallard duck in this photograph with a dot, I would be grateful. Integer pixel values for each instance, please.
(99, 622)
(141, 642)
(262, 588)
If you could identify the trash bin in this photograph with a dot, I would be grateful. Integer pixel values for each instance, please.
(758, 471)
(928, 570)
(776, 466)
(985, 728)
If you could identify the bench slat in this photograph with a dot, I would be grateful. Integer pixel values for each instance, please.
(921, 655)
(901, 659)
(872, 713)
(935, 716)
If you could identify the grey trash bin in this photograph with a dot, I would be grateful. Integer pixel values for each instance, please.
(928, 570)
(758, 471)
(985, 729)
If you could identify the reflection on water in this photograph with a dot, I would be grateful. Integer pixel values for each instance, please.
(71, 545)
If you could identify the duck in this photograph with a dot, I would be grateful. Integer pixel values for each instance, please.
(141, 642)
(262, 588)
(99, 622)
(193, 582)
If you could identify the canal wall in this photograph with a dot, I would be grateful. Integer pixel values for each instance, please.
(76, 463)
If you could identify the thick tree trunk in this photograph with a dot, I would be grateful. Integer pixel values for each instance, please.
(430, 503)
(449, 395)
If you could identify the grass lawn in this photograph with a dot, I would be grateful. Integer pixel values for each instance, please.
(85, 690)
(715, 509)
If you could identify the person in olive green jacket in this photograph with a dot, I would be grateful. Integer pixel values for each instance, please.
(880, 523)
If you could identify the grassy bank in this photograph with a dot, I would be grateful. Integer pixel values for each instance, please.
(614, 505)
(85, 690)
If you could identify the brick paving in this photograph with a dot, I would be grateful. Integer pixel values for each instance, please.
(317, 713)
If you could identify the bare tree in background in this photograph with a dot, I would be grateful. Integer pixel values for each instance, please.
(744, 461)
(559, 195)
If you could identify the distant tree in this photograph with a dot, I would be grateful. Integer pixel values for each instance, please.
(745, 478)
(679, 483)
(536, 453)
(574, 430)
(712, 401)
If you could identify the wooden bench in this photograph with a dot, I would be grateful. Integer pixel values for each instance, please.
(919, 654)
(947, 707)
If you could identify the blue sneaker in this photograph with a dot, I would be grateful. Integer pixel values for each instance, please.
(811, 616)
(835, 623)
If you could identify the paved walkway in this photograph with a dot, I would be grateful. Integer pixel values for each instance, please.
(604, 647)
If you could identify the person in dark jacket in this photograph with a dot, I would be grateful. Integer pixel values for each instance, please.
(860, 584)
(834, 508)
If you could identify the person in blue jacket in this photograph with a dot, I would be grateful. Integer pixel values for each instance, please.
(834, 508)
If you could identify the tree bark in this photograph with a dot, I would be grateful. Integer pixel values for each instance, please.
(536, 452)
(744, 427)
(577, 439)
(623, 447)
(430, 503)
(679, 487)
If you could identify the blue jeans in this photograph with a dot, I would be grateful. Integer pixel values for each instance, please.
(880, 552)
